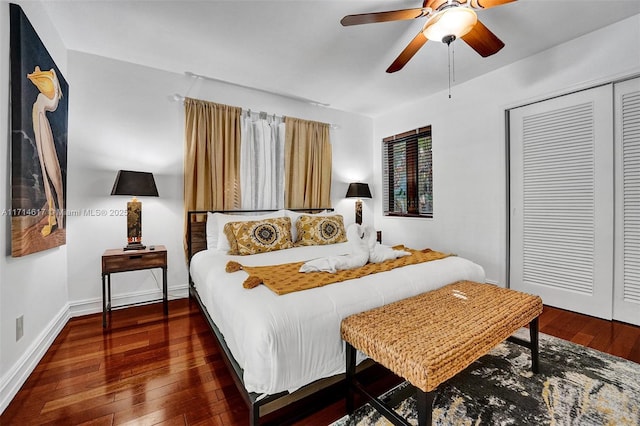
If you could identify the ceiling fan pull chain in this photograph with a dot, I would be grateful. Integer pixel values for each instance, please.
(449, 66)
(453, 62)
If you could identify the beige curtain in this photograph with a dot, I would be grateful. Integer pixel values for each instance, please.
(212, 156)
(307, 164)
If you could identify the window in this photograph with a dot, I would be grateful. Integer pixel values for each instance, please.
(408, 174)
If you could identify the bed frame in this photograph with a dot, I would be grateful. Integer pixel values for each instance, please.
(258, 407)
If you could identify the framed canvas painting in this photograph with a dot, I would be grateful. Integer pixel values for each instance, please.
(39, 121)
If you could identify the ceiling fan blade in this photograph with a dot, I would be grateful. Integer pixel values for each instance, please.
(486, 4)
(482, 40)
(408, 52)
(436, 4)
(392, 15)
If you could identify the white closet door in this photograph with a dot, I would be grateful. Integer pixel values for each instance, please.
(561, 201)
(626, 302)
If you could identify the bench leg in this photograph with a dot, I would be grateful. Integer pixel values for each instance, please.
(533, 335)
(424, 401)
(351, 371)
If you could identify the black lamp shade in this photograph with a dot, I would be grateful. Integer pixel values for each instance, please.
(134, 183)
(358, 190)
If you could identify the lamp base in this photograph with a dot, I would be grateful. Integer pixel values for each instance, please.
(134, 225)
(359, 212)
(134, 246)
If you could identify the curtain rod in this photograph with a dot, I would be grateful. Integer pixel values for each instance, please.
(261, 114)
(284, 95)
(179, 98)
(264, 115)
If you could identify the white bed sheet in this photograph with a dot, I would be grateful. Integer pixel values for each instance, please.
(285, 342)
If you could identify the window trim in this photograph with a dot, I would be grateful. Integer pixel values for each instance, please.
(413, 209)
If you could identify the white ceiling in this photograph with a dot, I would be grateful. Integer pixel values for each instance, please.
(299, 47)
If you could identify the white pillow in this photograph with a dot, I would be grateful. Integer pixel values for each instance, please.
(212, 230)
(216, 221)
(294, 217)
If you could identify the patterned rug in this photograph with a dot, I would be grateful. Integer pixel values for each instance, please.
(576, 386)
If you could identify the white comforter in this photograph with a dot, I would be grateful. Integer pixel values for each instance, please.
(285, 342)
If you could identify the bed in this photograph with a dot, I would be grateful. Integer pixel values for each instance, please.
(280, 348)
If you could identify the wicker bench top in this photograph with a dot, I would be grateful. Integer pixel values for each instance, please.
(429, 338)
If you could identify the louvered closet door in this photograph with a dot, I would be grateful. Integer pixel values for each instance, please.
(561, 201)
(626, 302)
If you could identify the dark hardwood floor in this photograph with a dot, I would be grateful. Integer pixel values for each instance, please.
(147, 369)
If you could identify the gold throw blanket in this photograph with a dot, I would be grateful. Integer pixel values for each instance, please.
(286, 278)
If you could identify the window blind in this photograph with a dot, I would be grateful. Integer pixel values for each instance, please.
(407, 167)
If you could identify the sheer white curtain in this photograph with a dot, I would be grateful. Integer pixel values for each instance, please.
(261, 161)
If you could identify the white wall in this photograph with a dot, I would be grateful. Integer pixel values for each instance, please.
(34, 286)
(121, 117)
(469, 143)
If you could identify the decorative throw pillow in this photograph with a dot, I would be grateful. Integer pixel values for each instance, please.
(293, 215)
(320, 230)
(222, 219)
(259, 236)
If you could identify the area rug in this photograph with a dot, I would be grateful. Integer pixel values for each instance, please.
(576, 386)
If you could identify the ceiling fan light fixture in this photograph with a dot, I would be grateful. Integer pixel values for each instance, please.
(454, 21)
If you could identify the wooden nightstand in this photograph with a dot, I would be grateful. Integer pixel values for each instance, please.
(119, 260)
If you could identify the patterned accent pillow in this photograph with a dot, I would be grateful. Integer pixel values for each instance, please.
(320, 230)
(294, 215)
(258, 236)
(216, 238)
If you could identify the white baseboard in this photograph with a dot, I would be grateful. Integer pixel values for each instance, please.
(494, 282)
(13, 380)
(93, 306)
(19, 373)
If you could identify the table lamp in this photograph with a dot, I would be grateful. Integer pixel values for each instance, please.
(358, 190)
(135, 184)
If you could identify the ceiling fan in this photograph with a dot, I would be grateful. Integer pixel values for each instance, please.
(447, 20)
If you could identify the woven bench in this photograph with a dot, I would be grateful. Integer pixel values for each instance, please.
(429, 338)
